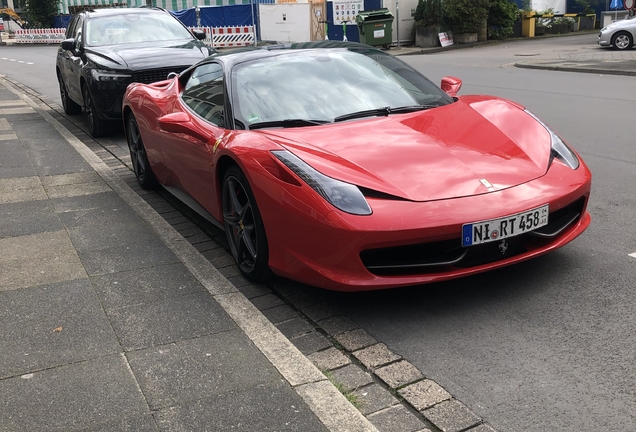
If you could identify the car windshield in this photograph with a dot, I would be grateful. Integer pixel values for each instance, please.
(133, 28)
(322, 85)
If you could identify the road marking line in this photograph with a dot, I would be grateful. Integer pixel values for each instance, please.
(19, 61)
(632, 255)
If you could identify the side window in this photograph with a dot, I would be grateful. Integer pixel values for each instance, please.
(78, 38)
(77, 31)
(203, 93)
(70, 31)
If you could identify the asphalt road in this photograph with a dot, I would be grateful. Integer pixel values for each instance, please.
(547, 345)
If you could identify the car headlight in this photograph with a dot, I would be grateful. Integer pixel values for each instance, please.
(560, 150)
(109, 76)
(343, 196)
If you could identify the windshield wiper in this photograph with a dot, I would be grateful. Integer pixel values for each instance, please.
(287, 123)
(384, 111)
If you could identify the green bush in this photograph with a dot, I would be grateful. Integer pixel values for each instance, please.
(502, 15)
(464, 16)
(428, 13)
(41, 12)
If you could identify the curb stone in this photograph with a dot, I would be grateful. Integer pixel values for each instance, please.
(333, 332)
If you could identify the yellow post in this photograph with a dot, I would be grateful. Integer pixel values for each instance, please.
(527, 24)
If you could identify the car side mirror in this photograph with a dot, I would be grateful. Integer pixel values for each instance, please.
(179, 122)
(68, 44)
(451, 85)
(199, 34)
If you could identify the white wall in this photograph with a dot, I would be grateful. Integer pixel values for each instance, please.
(406, 21)
(557, 5)
(287, 22)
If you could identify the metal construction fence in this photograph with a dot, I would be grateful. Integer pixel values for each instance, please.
(228, 37)
(217, 37)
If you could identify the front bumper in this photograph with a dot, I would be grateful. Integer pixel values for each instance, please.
(605, 38)
(332, 250)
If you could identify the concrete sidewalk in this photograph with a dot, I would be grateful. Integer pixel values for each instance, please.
(111, 320)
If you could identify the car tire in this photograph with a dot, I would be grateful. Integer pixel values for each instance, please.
(69, 105)
(96, 126)
(622, 41)
(138, 156)
(244, 227)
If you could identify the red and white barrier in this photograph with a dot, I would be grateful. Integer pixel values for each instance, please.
(217, 37)
(228, 37)
(48, 36)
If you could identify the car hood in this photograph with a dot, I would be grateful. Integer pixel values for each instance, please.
(476, 145)
(627, 22)
(149, 55)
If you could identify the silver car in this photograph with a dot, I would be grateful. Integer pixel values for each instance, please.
(619, 35)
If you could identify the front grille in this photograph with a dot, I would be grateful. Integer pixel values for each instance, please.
(153, 75)
(434, 257)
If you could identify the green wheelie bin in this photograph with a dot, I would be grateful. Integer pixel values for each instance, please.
(375, 27)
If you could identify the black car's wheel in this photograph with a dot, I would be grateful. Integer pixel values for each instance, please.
(96, 126)
(70, 107)
(138, 157)
(622, 41)
(244, 227)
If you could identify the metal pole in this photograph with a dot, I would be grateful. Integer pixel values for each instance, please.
(397, 20)
(253, 21)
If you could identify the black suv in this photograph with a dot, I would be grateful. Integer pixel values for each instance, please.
(107, 49)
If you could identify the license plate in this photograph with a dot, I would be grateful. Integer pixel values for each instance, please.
(508, 226)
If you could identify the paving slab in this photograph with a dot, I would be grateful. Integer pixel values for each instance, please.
(169, 320)
(30, 217)
(137, 423)
(329, 359)
(424, 394)
(257, 409)
(311, 342)
(399, 374)
(351, 377)
(280, 313)
(295, 327)
(21, 189)
(52, 325)
(143, 254)
(70, 397)
(201, 368)
(396, 419)
(354, 340)
(144, 286)
(452, 416)
(376, 355)
(38, 259)
(374, 398)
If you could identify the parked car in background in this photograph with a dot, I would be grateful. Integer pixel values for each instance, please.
(107, 49)
(338, 165)
(620, 35)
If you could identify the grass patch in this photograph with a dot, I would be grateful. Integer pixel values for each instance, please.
(348, 394)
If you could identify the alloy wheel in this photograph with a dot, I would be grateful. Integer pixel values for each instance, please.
(240, 224)
(138, 156)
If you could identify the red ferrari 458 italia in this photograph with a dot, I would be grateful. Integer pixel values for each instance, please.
(338, 165)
